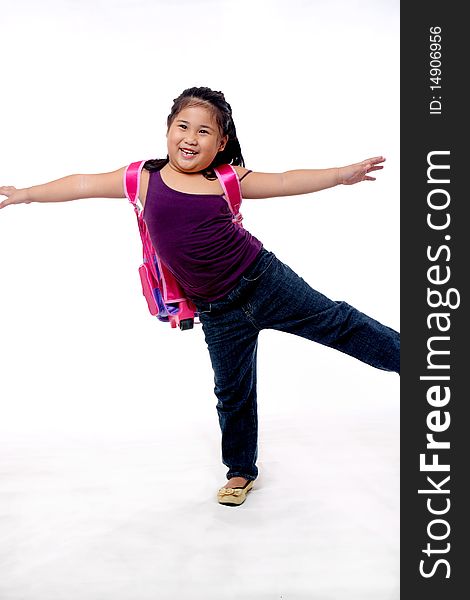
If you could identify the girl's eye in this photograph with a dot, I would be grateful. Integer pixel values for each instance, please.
(204, 131)
(182, 126)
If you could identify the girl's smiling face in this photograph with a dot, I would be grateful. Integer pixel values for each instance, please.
(194, 139)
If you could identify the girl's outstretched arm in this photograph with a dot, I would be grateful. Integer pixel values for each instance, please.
(306, 181)
(72, 187)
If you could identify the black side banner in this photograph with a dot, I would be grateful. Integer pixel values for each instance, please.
(435, 254)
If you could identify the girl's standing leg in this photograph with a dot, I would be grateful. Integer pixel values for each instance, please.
(232, 342)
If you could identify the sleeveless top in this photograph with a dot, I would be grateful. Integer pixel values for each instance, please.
(194, 236)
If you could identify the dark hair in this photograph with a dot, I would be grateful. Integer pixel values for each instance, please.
(215, 101)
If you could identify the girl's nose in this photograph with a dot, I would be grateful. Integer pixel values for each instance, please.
(190, 138)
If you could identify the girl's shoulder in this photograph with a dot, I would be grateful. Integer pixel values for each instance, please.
(241, 171)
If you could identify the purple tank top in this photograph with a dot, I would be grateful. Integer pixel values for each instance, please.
(194, 236)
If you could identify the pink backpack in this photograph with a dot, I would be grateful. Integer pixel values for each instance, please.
(165, 298)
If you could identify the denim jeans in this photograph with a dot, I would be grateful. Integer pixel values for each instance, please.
(271, 296)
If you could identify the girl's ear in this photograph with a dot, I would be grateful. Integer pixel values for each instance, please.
(223, 143)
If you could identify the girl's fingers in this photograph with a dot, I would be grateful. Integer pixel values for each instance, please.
(6, 190)
(374, 160)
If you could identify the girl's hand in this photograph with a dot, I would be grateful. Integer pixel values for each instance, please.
(14, 196)
(358, 172)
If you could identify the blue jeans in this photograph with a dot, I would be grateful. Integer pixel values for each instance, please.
(271, 296)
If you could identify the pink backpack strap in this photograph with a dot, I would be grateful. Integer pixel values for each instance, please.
(231, 185)
(170, 288)
(132, 181)
(131, 188)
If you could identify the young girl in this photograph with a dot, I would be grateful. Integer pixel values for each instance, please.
(239, 288)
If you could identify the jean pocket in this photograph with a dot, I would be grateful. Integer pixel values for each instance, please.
(260, 268)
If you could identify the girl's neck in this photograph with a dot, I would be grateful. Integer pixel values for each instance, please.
(172, 171)
(189, 182)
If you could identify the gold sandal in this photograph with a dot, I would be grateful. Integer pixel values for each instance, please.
(234, 496)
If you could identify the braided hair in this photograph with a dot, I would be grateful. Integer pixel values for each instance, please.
(214, 101)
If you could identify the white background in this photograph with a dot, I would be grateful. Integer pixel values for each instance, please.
(94, 389)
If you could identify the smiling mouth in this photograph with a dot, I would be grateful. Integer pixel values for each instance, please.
(187, 152)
